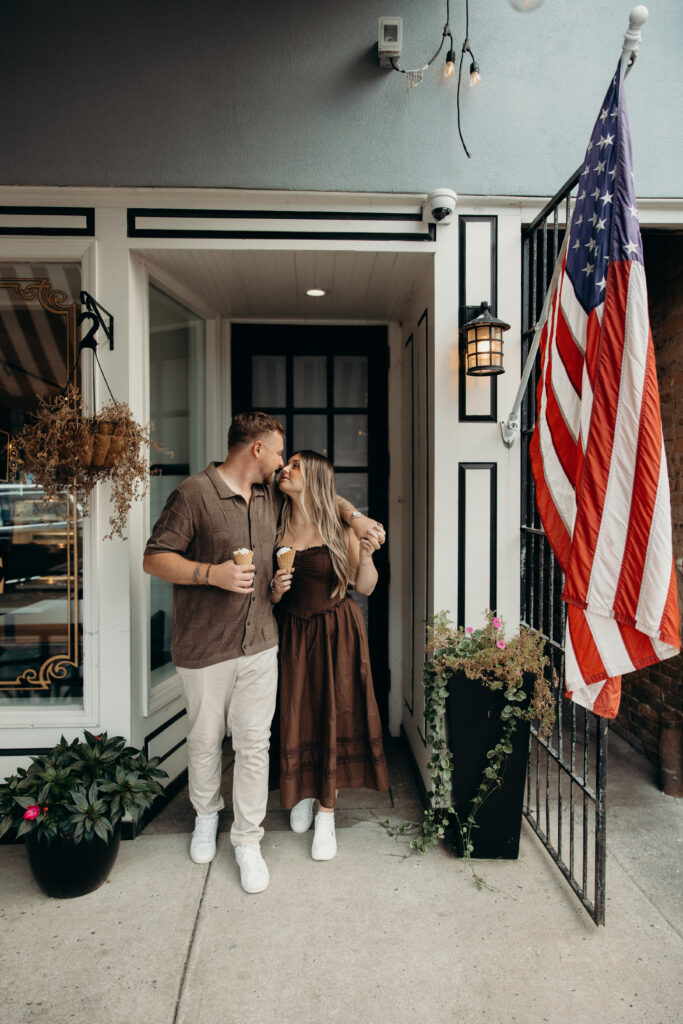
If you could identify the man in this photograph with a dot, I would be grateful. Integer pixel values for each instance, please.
(224, 642)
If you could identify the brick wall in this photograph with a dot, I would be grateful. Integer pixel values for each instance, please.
(658, 688)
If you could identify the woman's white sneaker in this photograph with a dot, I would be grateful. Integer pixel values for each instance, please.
(203, 845)
(254, 876)
(301, 816)
(325, 838)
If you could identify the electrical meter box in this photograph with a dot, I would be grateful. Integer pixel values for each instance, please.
(390, 40)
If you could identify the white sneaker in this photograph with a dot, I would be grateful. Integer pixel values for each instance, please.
(253, 869)
(203, 845)
(325, 838)
(301, 815)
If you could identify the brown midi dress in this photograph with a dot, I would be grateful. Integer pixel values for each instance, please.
(330, 730)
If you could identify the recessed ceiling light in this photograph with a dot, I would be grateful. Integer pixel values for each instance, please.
(316, 293)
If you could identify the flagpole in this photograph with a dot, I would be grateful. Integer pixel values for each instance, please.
(510, 427)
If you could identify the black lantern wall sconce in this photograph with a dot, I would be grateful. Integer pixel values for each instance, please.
(483, 343)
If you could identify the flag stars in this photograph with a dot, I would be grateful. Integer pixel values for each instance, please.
(596, 193)
(633, 211)
(601, 284)
(593, 218)
(630, 248)
(577, 244)
(592, 244)
(600, 166)
(588, 269)
(581, 197)
(589, 147)
(600, 226)
(603, 115)
(612, 173)
(607, 198)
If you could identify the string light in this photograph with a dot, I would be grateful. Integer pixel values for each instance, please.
(525, 5)
(415, 76)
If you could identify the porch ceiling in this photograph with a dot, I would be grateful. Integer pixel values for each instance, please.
(258, 284)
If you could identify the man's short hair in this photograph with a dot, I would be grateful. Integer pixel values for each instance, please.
(248, 427)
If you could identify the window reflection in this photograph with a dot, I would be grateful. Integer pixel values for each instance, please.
(41, 571)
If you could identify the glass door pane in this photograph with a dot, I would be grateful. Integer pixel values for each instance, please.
(176, 380)
(41, 569)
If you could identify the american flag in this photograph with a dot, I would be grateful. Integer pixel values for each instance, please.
(597, 452)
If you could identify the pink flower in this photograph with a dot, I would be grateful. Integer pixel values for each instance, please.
(501, 645)
(469, 629)
(497, 623)
(32, 812)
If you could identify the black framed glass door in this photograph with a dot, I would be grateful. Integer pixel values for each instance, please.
(328, 386)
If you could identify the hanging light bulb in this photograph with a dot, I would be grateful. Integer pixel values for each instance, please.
(525, 5)
(475, 77)
(449, 66)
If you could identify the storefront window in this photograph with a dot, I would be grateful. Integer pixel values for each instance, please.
(41, 568)
(176, 347)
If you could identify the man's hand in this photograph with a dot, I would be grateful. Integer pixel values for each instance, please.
(229, 576)
(368, 529)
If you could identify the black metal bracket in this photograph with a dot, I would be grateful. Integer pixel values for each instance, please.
(96, 313)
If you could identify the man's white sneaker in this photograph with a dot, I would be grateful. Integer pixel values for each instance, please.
(325, 838)
(203, 845)
(301, 816)
(253, 869)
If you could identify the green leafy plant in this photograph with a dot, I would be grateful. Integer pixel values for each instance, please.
(79, 790)
(499, 664)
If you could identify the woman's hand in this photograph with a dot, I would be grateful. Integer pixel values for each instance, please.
(367, 529)
(366, 550)
(282, 582)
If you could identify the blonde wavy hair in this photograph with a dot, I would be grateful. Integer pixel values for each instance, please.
(319, 504)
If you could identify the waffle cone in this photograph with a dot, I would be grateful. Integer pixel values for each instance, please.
(286, 559)
(242, 559)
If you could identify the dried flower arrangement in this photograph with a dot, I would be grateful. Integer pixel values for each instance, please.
(64, 448)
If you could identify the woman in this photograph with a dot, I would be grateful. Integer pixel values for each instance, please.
(330, 730)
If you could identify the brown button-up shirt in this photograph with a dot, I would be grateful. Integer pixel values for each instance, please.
(205, 521)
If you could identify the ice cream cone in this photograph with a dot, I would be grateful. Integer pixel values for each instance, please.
(243, 556)
(285, 558)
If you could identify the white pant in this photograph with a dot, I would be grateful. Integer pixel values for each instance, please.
(238, 695)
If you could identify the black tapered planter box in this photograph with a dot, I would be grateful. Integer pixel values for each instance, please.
(474, 727)
(65, 869)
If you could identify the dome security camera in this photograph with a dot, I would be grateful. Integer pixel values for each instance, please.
(439, 206)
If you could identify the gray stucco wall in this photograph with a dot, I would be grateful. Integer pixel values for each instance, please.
(287, 94)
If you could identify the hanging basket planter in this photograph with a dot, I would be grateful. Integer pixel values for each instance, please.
(64, 448)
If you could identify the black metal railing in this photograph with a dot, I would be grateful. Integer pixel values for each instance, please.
(566, 777)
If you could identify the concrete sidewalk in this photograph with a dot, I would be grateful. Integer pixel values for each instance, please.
(372, 936)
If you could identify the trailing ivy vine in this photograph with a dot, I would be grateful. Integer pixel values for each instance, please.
(498, 664)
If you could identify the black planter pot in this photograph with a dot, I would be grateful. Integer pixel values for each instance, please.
(65, 869)
(474, 727)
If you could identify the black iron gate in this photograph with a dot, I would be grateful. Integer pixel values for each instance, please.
(566, 778)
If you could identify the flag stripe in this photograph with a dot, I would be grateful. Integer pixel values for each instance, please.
(610, 549)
